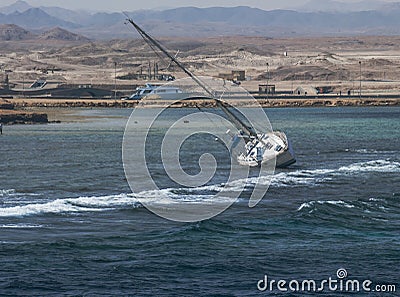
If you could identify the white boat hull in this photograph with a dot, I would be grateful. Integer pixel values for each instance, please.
(267, 148)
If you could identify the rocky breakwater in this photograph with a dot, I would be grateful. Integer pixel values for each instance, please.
(10, 116)
(329, 102)
(74, 103)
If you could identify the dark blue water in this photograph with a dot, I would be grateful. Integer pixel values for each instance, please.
(69, 225)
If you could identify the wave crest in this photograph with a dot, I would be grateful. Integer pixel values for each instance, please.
(70, 205)
(373, 166)
(195, 195)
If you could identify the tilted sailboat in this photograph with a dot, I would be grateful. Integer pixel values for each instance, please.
(260, 148)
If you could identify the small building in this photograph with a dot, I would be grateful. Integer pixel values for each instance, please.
(225, 76)
(6, 84)
(239, 75)
(304, 91)
(266, 89)
(235, 75)
(325, 90)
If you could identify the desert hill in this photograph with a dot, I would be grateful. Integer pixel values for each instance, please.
(62, 34)
(9, 32)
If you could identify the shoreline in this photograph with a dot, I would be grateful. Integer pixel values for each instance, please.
(21, 104)
(43, 111)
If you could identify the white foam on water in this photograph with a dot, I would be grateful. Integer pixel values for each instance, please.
(20, 226)
(302, 177)
(366, 151)
(312, 177)
(106, 203)
(14, 193)
(306, 205)
(312, 204)
(380, 220)
(318, 176)
(281, 179)
(373, 166)
(376, 199)
(57, 206)
(70, 205)
(338, 203)
(187, 195)
(196, 195)
(296, 178)
(372, 151)
(103, 201)
(7, 192)
(372, 205)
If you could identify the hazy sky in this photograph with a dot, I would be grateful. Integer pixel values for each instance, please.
(130, 5)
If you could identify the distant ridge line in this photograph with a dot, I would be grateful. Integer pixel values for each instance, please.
(384, 19)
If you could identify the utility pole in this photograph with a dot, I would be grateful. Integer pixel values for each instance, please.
(267, 79)
(149, 70)
(115, 80)
(360, 77)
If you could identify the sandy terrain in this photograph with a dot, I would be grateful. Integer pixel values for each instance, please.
(309, 62)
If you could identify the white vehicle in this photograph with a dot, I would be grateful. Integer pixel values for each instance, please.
(158, 93)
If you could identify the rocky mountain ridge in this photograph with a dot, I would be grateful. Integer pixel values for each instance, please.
(317, 18)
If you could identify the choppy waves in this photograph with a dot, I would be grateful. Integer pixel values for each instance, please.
(311, 178)
(71, 205)
(373, 166)
(319, 176)
(9, 192)
(365, 212)
(26, 206)
(374, 208)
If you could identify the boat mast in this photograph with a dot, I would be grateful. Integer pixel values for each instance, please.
(239, 123)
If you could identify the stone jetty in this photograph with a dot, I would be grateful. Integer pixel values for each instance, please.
(9, 115)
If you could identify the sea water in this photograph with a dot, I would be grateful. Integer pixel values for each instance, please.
(70, 225)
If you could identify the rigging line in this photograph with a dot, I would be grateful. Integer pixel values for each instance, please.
(204, 86)
(221, 122)
(163, 49)
(254, 126)
(146, 37)
(220, 98)
(216, 125)
(170, 62)
(153, 48)
(208, 117)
